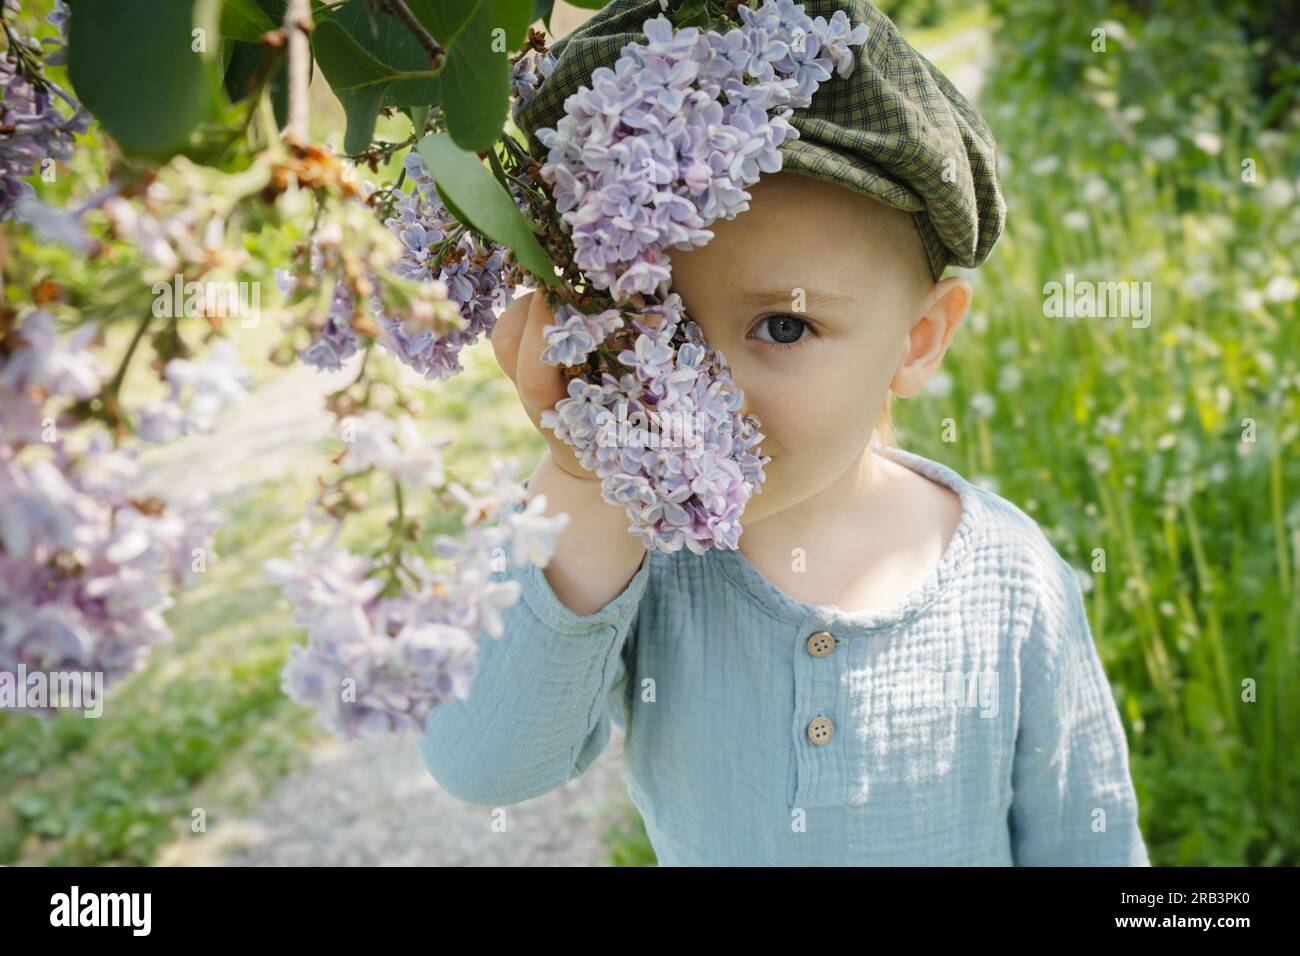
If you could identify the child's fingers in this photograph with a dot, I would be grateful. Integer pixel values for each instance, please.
(517, 341)
(506, 332)
(540, 385)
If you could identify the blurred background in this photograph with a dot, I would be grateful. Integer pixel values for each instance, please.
(1172, 156)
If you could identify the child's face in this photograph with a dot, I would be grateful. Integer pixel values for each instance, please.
(816, 372)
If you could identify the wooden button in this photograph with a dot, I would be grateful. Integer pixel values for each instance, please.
(821, 643)
(820, 730)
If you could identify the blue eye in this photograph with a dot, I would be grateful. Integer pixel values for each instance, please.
(786, 330)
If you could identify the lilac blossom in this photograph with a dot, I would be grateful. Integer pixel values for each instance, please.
(54, 224)
(394, 446)
(471, 270)
(86, 567)
(43, 365)
(378, 662)
(647, 156)
(574, 334)
(34, 125)
(357, 281)
(58, 17)
(664, 143)
(199, 389)
(526, 75)
(337, 340)
(666, 439)
(837, 36)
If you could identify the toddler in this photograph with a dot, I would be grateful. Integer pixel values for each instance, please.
(896, 667)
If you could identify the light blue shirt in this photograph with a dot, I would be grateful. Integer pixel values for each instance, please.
(970, 723)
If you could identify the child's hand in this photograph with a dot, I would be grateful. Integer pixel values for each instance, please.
(518, 342)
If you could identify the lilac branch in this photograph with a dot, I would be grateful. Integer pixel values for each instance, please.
(297, 24)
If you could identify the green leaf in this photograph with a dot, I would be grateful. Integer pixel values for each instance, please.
(363, 83)
(475, 197)
(418, 115)
(358, 80)
(587, 4)
(243, 59)
(133, 65)
(244, 20)
(450, 204)
(476, 36)
(390, 41)
(691, 13)
(514, 17)
(243, 63)
(542, 11)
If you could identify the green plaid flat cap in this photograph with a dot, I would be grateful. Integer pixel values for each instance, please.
(895, 128)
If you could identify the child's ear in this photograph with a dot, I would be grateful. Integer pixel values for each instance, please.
(942, 309)
(950, 298)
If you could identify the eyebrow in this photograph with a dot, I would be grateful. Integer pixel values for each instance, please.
(811, 296)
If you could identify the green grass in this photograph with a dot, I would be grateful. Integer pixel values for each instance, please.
(1137, 441)
(971, 17)
(117, 788)
(627, 840)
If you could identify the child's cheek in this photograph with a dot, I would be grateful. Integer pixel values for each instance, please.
(801, 397)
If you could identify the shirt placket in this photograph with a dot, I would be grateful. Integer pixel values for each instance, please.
(820, 724)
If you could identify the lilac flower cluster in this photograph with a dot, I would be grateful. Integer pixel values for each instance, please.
(666, 437)
(574, 334)
(41, 366)
(645, 159)
(378, 661)
(665, 142)
(33, 126)
(460, 276)
(199, 389)
(84, 565)
(337, 340)
(526, 75)
(472, 269)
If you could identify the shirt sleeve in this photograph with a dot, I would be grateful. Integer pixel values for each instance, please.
(537, 713)
(1073, 799)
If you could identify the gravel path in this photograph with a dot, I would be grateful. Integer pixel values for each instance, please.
(262, 439)
(375, 804)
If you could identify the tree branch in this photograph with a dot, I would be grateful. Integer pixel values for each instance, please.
(297, 24)
(417, 28)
